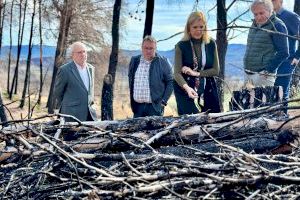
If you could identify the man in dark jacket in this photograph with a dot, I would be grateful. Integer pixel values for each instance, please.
(286, 69)
(150, 81)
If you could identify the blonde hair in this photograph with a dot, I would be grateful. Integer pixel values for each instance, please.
(194, 16)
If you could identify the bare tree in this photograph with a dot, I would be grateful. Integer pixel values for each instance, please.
(2, 18)
(222, 44)
(14, 85)
(28, 62)
(66, 11)
(41, 52)
(109, 80)
(149, 17)
(3, 117)
(79, 20)
(91, 22)
(10, 44)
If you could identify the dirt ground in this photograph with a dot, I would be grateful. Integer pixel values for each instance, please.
(121, 108)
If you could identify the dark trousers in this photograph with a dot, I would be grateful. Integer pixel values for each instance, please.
(87, 118)
(145, 109)
(284, 78)
(185, 105)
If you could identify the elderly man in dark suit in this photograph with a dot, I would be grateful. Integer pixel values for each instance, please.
(74, 87)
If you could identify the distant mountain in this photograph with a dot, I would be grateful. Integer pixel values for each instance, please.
(233, 63)
(234, 56)
(48, 51)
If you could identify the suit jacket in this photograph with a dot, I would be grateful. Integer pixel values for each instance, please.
(71, 95)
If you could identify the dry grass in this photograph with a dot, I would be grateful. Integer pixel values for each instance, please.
(121, 102)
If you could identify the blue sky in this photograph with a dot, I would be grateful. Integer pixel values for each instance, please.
(170, 17)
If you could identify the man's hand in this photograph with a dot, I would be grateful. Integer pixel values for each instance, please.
(266, 74)
(189, 71)
(163, 103)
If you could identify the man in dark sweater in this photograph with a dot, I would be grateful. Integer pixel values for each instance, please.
(150, 81)
(285, 71)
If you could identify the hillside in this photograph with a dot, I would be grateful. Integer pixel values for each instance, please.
(48, 51)
(234, 57)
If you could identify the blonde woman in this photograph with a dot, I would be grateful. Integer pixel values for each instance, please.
(196, 64)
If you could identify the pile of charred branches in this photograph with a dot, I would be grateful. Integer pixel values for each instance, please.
(209, 156)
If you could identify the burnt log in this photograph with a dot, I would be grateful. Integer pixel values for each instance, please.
(261, 131)
(213, 155)
(207, 156)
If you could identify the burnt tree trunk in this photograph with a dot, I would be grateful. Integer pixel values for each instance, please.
(14, 85)
(41, 53)
(149, 17)
(109, 80)
(65, 21)
(28, 63)
(2, 17)
(10, 45)
(222, 44)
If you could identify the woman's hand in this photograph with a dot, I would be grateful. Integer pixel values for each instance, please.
(189, 71)
(295, 62)
(190, 91)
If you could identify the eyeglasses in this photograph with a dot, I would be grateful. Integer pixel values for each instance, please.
(149, 48)
(80, 52)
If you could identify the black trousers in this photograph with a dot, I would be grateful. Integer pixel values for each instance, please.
(185, 105)
(145, 109)
(87, 118)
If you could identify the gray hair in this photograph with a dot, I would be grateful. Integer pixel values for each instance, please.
(78, 43)
(267, 4)
(70, 50)
(150, 39)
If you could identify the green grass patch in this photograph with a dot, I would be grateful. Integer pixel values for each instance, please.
(296, 103)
